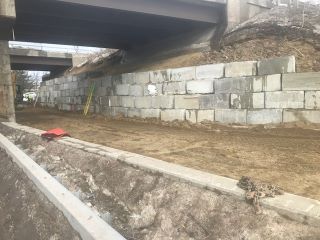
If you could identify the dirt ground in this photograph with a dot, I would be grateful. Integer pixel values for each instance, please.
(148, 206)
(25, 213)
(287, 156)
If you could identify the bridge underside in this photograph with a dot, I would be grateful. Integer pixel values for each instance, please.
(110, 23)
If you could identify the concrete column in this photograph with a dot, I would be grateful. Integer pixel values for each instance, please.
(6, 90)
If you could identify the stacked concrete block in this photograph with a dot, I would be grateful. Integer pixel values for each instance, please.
(172, 88)
(312, 100)
(285, 99)
(186, 102)
(240, 69)
(200, 86)
(277, 65)
(183, 74)
(211, 71)
(263, 92)
(173, 114)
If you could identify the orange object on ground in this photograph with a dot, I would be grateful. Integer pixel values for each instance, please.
(55, 133)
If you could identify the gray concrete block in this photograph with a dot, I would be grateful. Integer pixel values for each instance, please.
(277, 65)
(214, 101)
(264, 116)
(122, 89)
(230, 116)
(307, 116)
(205, 115)
(301, 81)
(119, 112)
(312, 100)
(210, 71)
(174, 88)
(134, 112)
(200, 86)
(106, 82)
(163, 101)
(191, 116)
(141, 78)
(127, 101)
(285, 99)
(182, 74)
(115, 101)
(150, 113)
(153, 89)
(173, 114)
(234, 85)
(160, 76)
(267, 83)
(247, 100)
(101, 91)
(128, 78)
(136, 90)
(143, 102)
(186, 102)
(240, 69)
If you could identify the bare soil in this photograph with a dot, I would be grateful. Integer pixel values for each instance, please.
(25, 213)
(288, 156)
(145, 205)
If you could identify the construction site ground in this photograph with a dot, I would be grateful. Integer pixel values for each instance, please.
(288, 156)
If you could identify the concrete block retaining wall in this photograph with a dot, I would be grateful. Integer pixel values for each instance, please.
(253, 92)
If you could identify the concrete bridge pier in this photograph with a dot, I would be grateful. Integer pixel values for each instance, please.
(6, 89)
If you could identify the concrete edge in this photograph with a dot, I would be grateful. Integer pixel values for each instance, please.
(298, 208)
(89, 225)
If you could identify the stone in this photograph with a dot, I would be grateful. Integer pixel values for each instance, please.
(312, 99)
(231, 116)
(277, 65)
(214, 101)
(163, 101)
(205, 115)
(234, 85)
(200, 86)
(285, 99)
(301, 81)
(186, 102)
(136, 90)
(267, 83)
(191, 116)
(160, 76)
(183, 74)
(174, 88)
(173, 114)
(150, 113)
(241, 69)
(122, 89)
(210, 71)
(143, 102)
(119, 112)
(306, 116)
(247, 100)
(141, 78)
(134, 112)
(264, 116)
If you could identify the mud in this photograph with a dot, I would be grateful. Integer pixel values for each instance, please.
(288, 156)
(25, 213)
(144, 205)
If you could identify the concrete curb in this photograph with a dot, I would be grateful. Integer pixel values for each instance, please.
(298, 208)
(89, 225)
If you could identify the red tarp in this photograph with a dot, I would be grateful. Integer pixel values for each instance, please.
(55, 133)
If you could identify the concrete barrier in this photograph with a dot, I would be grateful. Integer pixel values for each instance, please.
(89, 225)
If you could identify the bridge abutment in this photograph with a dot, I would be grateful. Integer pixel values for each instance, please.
(6, 89)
